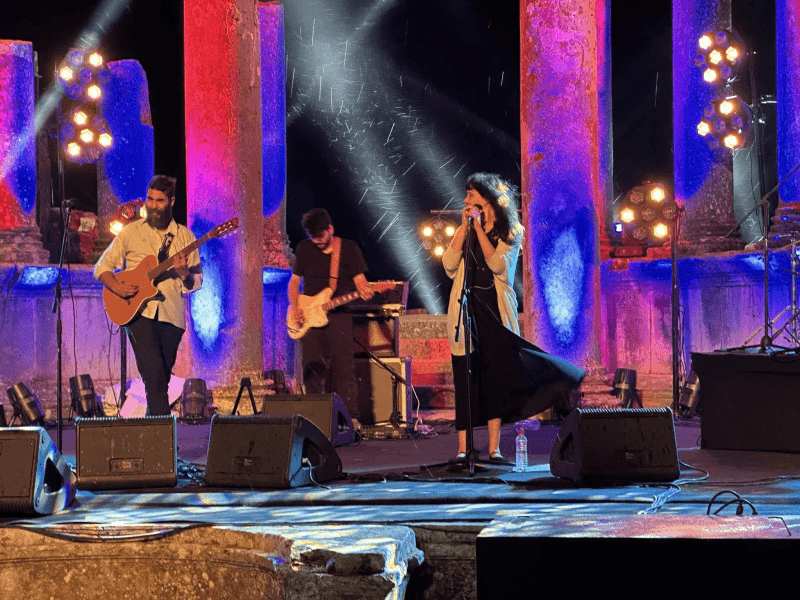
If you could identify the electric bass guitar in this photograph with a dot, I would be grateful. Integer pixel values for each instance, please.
(122, 310)
(315, 308)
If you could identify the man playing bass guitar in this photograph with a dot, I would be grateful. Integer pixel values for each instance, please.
(325, 261)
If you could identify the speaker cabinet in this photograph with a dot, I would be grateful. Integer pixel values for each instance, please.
(376, 390)
(326, 411)
(34, 477)
(268, 452)
(629, 444)
(126, 453)
(376, 333)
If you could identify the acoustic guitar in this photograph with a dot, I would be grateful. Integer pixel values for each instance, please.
(122, 310)
(315, 308)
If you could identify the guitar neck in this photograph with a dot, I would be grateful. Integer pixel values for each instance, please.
(340, 300)
(161, 268)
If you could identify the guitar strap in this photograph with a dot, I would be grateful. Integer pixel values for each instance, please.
(333, 279)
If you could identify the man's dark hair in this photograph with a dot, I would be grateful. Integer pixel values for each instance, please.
(163, 183)
(316, 221)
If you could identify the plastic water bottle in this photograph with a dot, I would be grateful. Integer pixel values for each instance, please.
(522, 452)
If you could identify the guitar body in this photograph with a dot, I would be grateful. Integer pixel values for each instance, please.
(315, 308)
(122, 310)
(314, 313)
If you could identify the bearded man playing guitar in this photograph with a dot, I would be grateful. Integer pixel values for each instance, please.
(156, 331)
(324, 263)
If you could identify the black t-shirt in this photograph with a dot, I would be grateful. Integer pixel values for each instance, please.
(314, 266)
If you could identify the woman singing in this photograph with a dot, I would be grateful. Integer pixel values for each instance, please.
(506, 370)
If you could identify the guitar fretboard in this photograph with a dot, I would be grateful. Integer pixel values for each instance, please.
(160, 269)
(340, 300)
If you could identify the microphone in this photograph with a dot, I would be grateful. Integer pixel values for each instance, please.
(469, 220)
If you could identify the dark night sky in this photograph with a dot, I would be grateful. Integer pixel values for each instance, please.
(441, 61)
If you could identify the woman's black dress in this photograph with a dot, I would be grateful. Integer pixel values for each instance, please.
(511, 378)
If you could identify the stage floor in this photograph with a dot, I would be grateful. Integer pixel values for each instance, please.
(388, 484)
(391, 480)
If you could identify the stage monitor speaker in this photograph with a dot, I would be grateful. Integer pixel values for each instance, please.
(376, 390)
(627, 444)
(268, 452)
(326, 411)
(34, 477)
(118, 454)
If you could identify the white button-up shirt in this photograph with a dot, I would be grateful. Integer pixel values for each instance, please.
(138, 240)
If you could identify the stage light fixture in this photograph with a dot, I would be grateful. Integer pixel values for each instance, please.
(720, 55)
(644, 215)
(73, 149)
(26, 405)
(278, 378)
(435, 234)
(690, 396)
(726, 122)
(127, 213)
(624, 387)
(194, 399)
(105, 140)
(84, 399)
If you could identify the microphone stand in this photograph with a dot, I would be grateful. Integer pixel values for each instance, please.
(57, 310)
(397, 415)
(465, 311)
(766, 339)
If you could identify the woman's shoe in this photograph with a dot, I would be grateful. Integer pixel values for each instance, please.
(496, 458)
(458, 458)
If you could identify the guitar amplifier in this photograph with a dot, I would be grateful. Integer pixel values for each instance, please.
(376, 390)
(390, 302)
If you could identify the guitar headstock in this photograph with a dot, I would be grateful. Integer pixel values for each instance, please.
(224, 229)
(382, 286)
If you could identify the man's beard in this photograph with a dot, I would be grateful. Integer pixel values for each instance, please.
(159, 219)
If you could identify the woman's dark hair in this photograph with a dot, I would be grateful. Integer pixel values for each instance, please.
(504, 199)
(163, 183)
(316, 221)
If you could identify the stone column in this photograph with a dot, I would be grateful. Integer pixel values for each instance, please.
(20, 239)
(124, 171)
(787, 217)
(279, 349)
(703, 177)
(223, 181)
(565, 128)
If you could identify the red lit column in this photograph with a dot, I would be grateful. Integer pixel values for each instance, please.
(224, 166)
